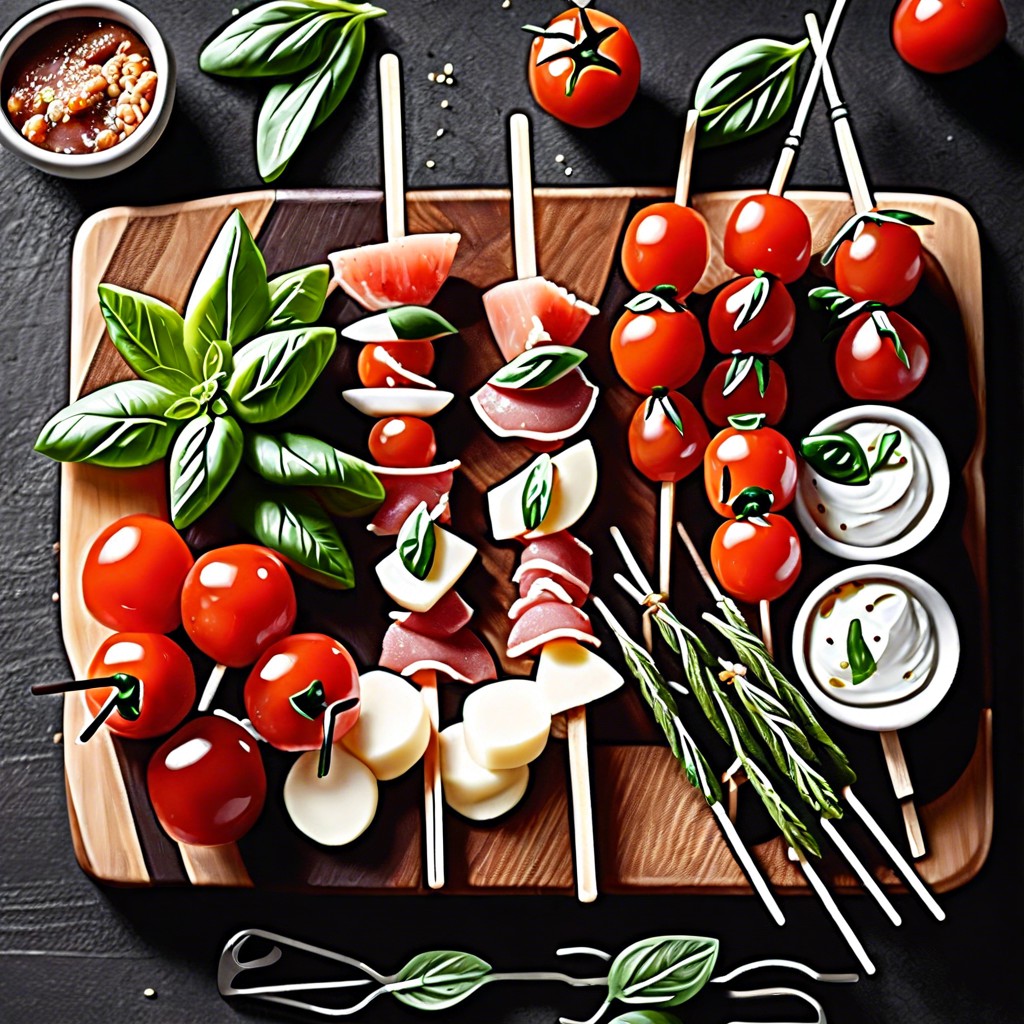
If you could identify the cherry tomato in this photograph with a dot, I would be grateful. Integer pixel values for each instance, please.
(881, 263)
(403, 441)
(133, 575)
(236, 602)
(738, 459)
(868, 364)
(165, 672)
(769, 233)
(584, 68)
(657, 347)
(756, 559)
(772, 325)
(746, 397)
(667, 436)
(947, 35)
(207, 783)
(293, 683)
(381, 363)
(666, 244)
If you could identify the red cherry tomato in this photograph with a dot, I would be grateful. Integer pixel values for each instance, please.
(746, 397)
(133, 575)
(236, 602)
(666, 244)
(869, 366)
(769, 233)
(277, 693)
(381, 363)
(771, 327)
(657, 347)
(590, 78)
(882, 263)
(756, 559)
(168, 683)
(403, 441)
(207, 783)
(947, 35)
(738, 459)
(659, 448)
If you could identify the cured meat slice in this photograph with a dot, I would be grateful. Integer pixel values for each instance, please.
(547, 621)
(405, 271)
(528, 579)
(543, 588)
(461, 656)
(552, 413)
(532, 312)
(448, 616)
(560, 555)
(403, 492)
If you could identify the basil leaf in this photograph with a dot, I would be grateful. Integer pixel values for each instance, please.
(205, 456)
(887, 445)
(645, 1017)
(904, 217)
(417, 542)
(274, 372)
(661, 398)
(298, 297)
(746, 90)
(845, 234)
(886, 330)
(661, 297)
(828, 298)
(538, 367)
(121, 425)
(763, 369)
(747, 420)
(438, 980)
(294, 525)
(293, 108)
(185, 408)
(753, 298)
(537, 491)
(416, 323)
(296, 460)
(670, 969)
(837, 456)
(862, 661)
(149, 334)
(739, 368)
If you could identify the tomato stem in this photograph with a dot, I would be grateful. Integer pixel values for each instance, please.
(331, 714)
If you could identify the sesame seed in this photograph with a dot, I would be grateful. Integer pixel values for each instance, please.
(55, 597)
(506, 3)
(568, 171)
(440, 132)
(234, 12)
(559, 159)
(150, 993)
(431, 76)
(430, 163)
(449, 68)
(58, 737)
(444, 104)
(449, 81)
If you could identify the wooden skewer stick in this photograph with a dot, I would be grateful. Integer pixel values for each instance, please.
(391, 127)
(803, 110)
(211, 687)
(859, 190)
(682, 196)
(903, 786)
(525, 246)
(433, 797)
(764, 608)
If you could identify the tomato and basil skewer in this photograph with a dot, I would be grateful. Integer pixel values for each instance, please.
(745, 384)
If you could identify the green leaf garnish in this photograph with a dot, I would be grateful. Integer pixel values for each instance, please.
(661, 398)
(862, 662)
(310, 702)
(417, 542)
(837, 456)
(662, 297)
(537, 491)
(538, 367)
(752, 503)
(298, 297)
(903, 217)
(885, 329)
(645, 1017)
(204, 458)
(849, 230)
(747, 420)
(739, 369)
(887, 445)
(439, 980)
(668, 970)
(416, 323)
(754, 296)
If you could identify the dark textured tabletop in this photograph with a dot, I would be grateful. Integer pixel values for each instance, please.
(72, 951)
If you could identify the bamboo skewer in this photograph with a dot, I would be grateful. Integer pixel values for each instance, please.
(903, 787)
(433, 797)
(525, 248)
(211, 687)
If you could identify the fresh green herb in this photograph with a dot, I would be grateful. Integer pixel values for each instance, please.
(661, 297)
(645, 1017)
(747, 420)
(538, 367)
(887, 445)
(439, 980)
(849, 231)
(752, 503)
(837, 456)
(740, 367)
(661, 398)
(862, 661)
(537, 491)
(884, 327)
(746, 90)
(298, 297)
(667, 971)
(753, 298)
(416, 323)
(206, 454)
(417, 542)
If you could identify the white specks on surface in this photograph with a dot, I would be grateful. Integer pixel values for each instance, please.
(150, 993)
(189, 753)
(651, 230)
(431, 77)
(430, 164)
(449, 68)
(440, 132)
(279, 665)
(559, 158)
(55, 597)
(218, 575)
(120, 545)
(444, 104)
(122, 652)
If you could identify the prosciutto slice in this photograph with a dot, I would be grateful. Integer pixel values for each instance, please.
(547, 621)
(461, 656)
(560, 555)
(534, 311)
(448, 616)
(403, 493)
(543, 588)
(547, 414)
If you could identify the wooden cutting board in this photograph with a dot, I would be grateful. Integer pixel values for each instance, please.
(654, 832)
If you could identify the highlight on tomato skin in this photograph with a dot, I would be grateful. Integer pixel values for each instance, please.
(939, 36)
(768, 233)
(869, 364)
(882, 263)
(667, 437)
(737, 459)
(756, 559)
(666, 244)
(745, 398)
(402, 442)
(657, 347)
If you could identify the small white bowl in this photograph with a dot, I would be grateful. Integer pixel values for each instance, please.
(904, 713)
(938, 468)
(140, 142)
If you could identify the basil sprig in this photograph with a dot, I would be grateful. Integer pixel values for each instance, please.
(746, 90)
(417, 542)
(440, 979)
(842, 308)
(839, 456)
(537, 491)
(665, 970)
(318, 42)
(753, 298)
(538, 367)
(862, 661)
(849, 231)
(740, 368)
(207, 377)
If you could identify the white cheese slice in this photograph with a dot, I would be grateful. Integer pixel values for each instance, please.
(475, 792)
(452, 556)
(393, 727)
(506, 723)
(573, 487)
(336, 809)
(381, 402)
(569, 675)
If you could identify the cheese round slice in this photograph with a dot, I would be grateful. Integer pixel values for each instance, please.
(569, 675)
(381, 402)
(393, 728)
(506, 723)
(477, 793)
(336, 809)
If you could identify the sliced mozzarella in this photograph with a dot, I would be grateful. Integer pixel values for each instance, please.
(573, 487)
(569, 675)
(475, 792)
(336, 809)
(393, 727)
(506, 723)
(381, 402)
(452, 556)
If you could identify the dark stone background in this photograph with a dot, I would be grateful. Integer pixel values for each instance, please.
(70, 951)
